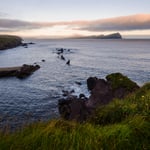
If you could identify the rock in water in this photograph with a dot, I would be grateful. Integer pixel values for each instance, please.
(20, 72)
(102, 92)
(26, 70)
(68, 62)
(62, 57)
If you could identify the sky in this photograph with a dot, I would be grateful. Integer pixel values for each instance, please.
(65, 18)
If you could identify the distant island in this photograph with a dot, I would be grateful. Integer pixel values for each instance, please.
(109, 36)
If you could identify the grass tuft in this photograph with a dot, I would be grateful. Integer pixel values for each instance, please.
(118, 80)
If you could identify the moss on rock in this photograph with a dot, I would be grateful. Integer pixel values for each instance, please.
(117, 80)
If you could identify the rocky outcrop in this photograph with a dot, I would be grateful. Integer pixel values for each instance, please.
(102, 92)
(73, 108)
(20, 72)
(9, 41)
(25, 45)
(27, 70)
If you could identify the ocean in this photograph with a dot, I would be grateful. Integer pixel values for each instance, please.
(36, 97)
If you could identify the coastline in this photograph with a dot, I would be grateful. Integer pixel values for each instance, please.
(121, 124)
(19, 71)
(111, 126)
(9, 41)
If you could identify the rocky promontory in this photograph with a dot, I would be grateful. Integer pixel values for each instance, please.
(102, 92)
(19, 72)
(9, 41)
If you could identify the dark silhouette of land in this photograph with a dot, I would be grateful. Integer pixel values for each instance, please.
(109, 36)
(9, 41)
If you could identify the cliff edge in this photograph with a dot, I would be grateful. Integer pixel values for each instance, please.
(9, 41)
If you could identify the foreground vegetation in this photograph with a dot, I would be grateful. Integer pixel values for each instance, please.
(120, 125)
(9, 41)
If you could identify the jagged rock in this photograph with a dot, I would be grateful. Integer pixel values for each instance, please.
(73, 108)
(24, 44)
(82, 96)
(102, 92)
(31, 43)
(91, 82)
(62, 57)
(20, 72)
(68, 62)
(26, 70)
(67, 93)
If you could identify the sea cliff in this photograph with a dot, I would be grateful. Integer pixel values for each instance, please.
(9, 41)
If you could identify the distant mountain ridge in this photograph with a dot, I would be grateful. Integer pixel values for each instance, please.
(109, 36)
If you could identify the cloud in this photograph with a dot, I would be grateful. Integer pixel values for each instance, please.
(17, 24)
(124, 23)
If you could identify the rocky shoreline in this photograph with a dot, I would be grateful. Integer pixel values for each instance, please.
(102, 92)
(19, 72)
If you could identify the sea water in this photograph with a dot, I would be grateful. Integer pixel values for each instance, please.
(36, 97)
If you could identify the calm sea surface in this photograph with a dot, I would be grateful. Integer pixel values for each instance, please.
(35, 98)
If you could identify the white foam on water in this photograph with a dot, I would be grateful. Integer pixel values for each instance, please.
(79, 89)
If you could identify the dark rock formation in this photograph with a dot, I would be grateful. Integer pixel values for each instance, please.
(91, 82)
(20, 72)
(25, 45)
(67, 93)
(102, 92)
(78, 83)
(62, 57)
(61, 50)
(68, 62)
(73, 108)
(26, 70)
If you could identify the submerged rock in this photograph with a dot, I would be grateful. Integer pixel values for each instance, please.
(102, 92)
(43, 60)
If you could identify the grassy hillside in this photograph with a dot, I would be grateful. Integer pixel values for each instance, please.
(9, 41)
(120, 125)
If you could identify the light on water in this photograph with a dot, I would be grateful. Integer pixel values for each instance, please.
(35, 98)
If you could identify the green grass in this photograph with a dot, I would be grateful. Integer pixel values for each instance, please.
(118, 110)
(120, 125)
(9, 41)
(118, 80)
